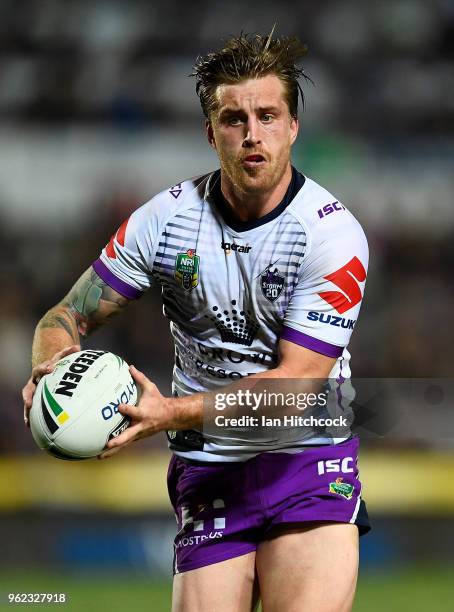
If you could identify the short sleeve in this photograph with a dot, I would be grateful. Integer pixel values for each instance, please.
(126, 262)
(324, 307)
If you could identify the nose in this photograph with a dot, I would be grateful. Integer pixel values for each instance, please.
(252, 137)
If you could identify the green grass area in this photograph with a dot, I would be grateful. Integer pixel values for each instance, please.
(406, 589)
(95, 593)
(412, 589)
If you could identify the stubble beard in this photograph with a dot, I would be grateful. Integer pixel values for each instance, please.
(254, 181)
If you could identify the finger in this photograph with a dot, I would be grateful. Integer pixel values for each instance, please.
(109, 453)
(49, 366)
(26, 415)
(27, 392)
(137, 374)
(133, 412)
(113, 449)
(27, 396)
(140, 378)
(144, 433)
(74, 348)
(41, 370)
(126, 437)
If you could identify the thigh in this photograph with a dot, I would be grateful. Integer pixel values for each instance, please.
(228, 586)
(308, 567)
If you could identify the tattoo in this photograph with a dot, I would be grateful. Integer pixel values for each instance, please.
(92, 302)
(89, 304)
(57, 320)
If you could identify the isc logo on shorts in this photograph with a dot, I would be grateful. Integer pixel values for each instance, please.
(335, 465)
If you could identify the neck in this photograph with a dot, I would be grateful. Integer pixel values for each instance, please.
(254, 204)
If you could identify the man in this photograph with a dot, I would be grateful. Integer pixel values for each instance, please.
(262, 274)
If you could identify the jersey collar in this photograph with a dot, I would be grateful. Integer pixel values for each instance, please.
(225, 210)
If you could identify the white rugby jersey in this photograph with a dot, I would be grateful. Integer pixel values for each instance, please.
(232, 289)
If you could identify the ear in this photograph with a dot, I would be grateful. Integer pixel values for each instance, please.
(294, 128)
(210, 134)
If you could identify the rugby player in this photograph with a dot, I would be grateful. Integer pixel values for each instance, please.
(262, 273)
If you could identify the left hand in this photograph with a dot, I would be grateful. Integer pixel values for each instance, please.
(151, 415)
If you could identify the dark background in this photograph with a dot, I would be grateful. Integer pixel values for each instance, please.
(97, 114)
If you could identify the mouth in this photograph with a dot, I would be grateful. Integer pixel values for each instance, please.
(253, 161)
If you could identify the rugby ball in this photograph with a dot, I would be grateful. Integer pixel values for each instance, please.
(75, 408)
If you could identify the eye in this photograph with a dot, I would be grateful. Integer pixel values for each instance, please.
(234, 120)
(267, 118)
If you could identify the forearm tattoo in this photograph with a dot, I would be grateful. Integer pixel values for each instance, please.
(55, 320)
(89, 304)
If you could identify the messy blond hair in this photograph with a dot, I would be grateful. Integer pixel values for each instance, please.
(251, 57)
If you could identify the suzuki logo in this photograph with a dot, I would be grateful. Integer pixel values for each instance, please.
(347, 279)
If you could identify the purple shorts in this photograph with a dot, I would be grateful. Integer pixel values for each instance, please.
(225, 510)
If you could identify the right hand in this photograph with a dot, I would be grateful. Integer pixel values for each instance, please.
(46, 367)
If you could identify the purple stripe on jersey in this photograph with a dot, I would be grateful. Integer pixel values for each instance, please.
(319, 346)
(108, 277)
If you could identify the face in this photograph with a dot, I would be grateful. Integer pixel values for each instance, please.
(252, 132)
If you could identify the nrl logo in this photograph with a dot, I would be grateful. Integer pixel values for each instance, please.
(271, 284)
(187, 269)
(341, 488)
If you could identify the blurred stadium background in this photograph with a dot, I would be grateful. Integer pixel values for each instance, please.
(96, 116)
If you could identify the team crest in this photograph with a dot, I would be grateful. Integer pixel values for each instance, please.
(341, 488)
(272, 284)
(187, 269)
